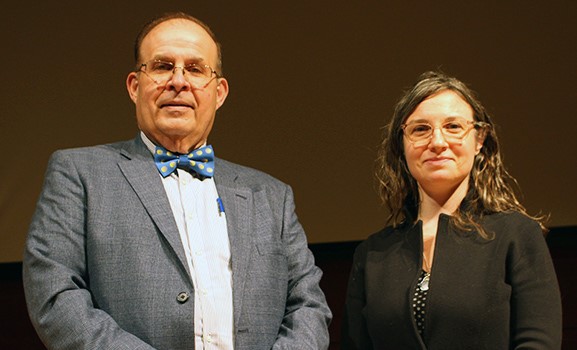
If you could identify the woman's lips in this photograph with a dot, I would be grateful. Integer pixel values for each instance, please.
(437, 160)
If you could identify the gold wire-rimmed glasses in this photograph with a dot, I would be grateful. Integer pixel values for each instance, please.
(454, 130)
(198, 75)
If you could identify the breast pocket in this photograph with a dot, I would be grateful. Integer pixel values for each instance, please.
(271, 260)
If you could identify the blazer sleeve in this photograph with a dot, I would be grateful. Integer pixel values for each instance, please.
(535, 300)
(307, 315)
(355, 335)
(55, 275)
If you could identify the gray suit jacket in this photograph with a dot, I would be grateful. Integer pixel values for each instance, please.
(104, 267)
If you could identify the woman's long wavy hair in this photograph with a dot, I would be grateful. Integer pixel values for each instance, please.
(490, 185)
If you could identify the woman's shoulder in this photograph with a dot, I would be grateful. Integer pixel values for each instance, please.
(510, 220)
(386, 236)
(512, 225)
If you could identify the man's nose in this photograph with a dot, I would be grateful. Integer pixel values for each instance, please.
(178, 81)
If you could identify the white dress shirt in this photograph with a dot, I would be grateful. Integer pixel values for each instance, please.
(202, 227)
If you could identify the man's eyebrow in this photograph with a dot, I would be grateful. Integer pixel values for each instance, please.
(161, 58)
(197, 60)
(169, 58)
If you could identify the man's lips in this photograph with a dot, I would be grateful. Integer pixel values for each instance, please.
(175, 104)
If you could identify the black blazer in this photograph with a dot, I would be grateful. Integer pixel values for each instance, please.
(484, 294)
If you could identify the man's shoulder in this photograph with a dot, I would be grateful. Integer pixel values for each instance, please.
(94, 151)
(93, 160)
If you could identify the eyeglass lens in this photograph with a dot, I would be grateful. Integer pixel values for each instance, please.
(161, 72)
(452, 130)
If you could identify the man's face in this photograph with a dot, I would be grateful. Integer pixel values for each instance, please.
(175, 114)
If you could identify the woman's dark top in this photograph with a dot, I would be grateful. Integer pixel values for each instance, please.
(484, 294)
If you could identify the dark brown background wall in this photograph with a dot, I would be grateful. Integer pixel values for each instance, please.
(312, 82)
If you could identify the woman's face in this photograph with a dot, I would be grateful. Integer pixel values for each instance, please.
(442, 162)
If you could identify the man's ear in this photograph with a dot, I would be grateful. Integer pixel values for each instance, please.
(132, 85)
(221, 92)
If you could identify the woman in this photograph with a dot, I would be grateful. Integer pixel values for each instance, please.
(462, 265)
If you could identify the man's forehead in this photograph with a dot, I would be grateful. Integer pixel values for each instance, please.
(179, 32)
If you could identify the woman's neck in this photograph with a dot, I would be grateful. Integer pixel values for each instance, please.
(434, 203)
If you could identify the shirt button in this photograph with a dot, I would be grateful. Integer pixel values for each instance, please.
(208, 338)
(182, 297)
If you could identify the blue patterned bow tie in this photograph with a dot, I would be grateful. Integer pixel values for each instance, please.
(201, 161)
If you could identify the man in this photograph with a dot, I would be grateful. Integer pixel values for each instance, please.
(134, 245)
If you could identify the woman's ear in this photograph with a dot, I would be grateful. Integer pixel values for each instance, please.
(481, 135)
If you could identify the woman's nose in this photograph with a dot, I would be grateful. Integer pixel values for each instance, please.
(438, 139)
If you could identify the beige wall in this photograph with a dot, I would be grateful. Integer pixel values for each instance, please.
(312, 82)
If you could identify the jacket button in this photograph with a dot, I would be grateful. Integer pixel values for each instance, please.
(182, 297)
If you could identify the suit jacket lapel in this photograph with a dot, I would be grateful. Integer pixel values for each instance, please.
(142, 175)
(238, 202)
